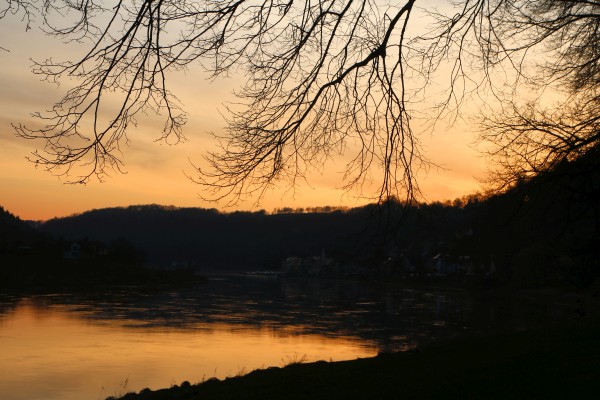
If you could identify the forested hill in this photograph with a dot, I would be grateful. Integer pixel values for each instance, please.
(14, 232)
(541, 229)
(209, 239)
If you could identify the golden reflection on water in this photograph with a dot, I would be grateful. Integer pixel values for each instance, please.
(54, 353)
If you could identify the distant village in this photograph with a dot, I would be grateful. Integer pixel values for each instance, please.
(398, 265)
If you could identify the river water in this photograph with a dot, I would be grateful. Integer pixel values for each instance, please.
(92, 345)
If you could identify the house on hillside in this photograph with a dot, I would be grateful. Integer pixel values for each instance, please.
(444, 265)
(397, 265)
(75, 250)
(313, 266)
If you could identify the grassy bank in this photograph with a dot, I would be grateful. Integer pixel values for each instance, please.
(557, 363)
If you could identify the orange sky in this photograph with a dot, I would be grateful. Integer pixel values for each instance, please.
(155, 171)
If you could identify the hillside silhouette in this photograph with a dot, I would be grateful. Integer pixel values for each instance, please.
(212, 240)
(16, 233)
(541, 230)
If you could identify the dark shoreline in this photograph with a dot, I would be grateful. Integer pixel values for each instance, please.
(557, 362)
(40, 273)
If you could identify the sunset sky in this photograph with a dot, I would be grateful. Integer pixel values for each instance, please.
(156, 172)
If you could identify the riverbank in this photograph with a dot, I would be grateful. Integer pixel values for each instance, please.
(553, 363)
(39, 273)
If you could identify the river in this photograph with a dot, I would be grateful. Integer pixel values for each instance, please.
(92, 345)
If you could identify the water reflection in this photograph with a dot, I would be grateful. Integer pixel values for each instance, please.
(93, 345)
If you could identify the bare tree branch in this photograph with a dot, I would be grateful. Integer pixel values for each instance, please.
(529, 140)
(325, 79)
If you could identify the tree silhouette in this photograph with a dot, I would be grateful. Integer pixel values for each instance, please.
(324, 78)
(531, 137)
